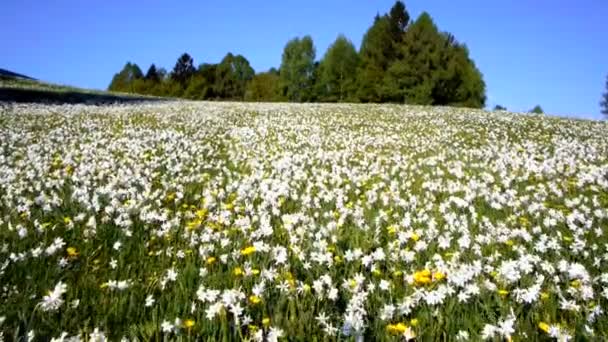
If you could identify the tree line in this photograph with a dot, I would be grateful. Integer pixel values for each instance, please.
(399, 60)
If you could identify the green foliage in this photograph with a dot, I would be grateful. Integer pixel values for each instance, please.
(297, 67)
(536, 110)
(183, 70)
(604, 101)
(232, 75)
(123, 81)
(338, 71)
(264, 87)
(375, 53)
(499, 107)
(399, 61)
(434, 69)
(152, 74)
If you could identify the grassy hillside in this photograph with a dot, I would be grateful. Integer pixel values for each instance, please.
(14, 89)
(230, 221)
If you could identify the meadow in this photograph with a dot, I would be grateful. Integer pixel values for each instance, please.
(312, 222)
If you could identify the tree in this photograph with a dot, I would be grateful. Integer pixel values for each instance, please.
(499, 108)
(208, 72)
(183, 70)
(433, 69)
(232, 75)
(604, 101)
(152, 74)
(338, 71)
(380, 48)
(123, 81)
(297, 67)
(399, 18)
(264, 87)
(375, 53)
(410, 79)
(536, 110)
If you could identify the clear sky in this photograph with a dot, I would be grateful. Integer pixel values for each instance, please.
(548, 52)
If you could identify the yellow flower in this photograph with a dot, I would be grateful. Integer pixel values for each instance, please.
(252, 328)
(503, 293)
(248, 250)
(422, 277)
(392, 230)
(415, 237)
(255, 271)
(194, 224)
(67, 220)
(575, 283)
(414, 322)
(266, 321)
(237, 271)
(544, 326)
(396, 329)
(189, 323)
(337, 259)
(509, 243)
(439, 276)
(376, 272)
(397, 274)
(253, 299)
(544, 295)
(72, 252)
(211, 260)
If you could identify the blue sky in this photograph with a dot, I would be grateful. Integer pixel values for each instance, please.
(547, 52)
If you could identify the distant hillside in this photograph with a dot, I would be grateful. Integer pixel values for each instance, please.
(9, 74)
(15, 87)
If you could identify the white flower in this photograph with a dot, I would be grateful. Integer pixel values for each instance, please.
(97, 336)
(166, 327)
(53, 300)
(149, 301)
(274, 334)
(488, 332)
(462, 336)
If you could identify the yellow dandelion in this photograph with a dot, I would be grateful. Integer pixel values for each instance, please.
(544, 326)
(396, 329)
(211, 260)
(266, 321)
(422, 277)
(503, 293)
(72, 252)
(189, 323)
(253, 299)
(237, 271)
(248, 250)
(439, 276)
